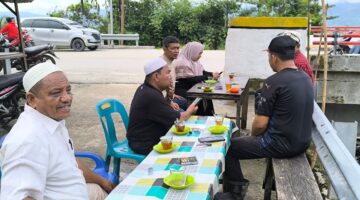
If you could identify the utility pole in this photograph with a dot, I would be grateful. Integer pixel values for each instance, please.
(111, 17)
(122, 18)
(82, 6)
(82, 12)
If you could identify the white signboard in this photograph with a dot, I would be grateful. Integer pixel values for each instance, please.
(244, 51)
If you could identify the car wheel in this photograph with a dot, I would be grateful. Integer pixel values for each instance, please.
(78, 44)
(93, 48)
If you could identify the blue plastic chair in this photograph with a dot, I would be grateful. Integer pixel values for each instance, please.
(100, 166)
(115, 148)
(2, 138)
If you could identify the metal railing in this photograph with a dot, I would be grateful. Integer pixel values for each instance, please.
(341, 167)
(111, 37)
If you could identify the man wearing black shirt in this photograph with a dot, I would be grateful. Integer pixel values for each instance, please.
(283, 120)
(151, 116)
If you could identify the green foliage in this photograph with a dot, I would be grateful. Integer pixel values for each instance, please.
(205, 21)
(89, 18)
(284, 8)
(57, 13)
(153, 20)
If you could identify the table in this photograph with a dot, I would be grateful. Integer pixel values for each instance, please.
(6, 56)
(241, 98)
(146, 180)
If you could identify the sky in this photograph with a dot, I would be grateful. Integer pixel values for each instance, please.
(44, 6)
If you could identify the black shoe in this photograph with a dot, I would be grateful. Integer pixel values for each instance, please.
(233, 189)
(224, 196)
(229, 196)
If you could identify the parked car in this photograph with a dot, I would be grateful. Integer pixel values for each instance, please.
(61, 32)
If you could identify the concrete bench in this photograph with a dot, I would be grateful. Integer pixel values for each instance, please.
(292, 178)
(118, 37)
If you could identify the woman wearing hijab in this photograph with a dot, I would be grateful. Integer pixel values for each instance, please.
(190, 71)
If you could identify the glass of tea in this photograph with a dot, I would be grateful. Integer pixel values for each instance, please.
(166, 142)
(180, 126)
(231, 75)
(219, 119)
(228, 85)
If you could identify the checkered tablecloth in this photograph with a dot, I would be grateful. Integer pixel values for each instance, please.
(146, 180)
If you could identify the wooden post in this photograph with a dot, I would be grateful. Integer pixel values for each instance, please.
(325, 54)
(326, 64)
(21, 45)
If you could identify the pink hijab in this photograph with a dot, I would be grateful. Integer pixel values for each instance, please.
(185, 66)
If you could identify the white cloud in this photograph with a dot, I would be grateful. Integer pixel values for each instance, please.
(44, 6)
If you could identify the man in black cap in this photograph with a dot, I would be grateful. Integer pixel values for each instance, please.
(282, 124)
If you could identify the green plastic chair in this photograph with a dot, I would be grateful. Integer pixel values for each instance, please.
(116, 149)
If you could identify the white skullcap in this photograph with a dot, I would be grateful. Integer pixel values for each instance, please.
(293, 34)
(154, 65)
(37, 73)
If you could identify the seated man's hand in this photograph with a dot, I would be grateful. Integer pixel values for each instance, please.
(216, 75)
(192, 108)
(107, 185)
(175, 106)
(170, 91)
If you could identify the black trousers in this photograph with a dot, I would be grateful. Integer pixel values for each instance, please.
(242, 148)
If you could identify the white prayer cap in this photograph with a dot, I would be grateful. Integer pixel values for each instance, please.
(37, 73)
(293, 34)
(154, 65)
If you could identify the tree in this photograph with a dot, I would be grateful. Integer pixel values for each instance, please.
(153, 20)
(205, 21)
(91, 17)
(284, 8)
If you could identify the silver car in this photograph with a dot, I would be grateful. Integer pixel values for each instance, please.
(61, 32)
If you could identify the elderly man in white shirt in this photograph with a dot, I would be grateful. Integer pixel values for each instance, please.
(37, 157)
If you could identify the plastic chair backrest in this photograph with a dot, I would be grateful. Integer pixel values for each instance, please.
(100, 166)
(105, 108)
(2, 138)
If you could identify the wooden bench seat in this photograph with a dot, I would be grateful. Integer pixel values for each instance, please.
(292, 178)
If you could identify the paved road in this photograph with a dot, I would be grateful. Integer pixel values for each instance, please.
(120, 65)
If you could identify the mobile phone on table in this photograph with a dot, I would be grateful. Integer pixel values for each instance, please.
(211, 139)
(197, 100)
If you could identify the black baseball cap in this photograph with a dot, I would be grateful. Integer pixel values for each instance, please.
(283, 45)
(9, 19)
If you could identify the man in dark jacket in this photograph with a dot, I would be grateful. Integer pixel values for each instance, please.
(151, 116)
(283, 120)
